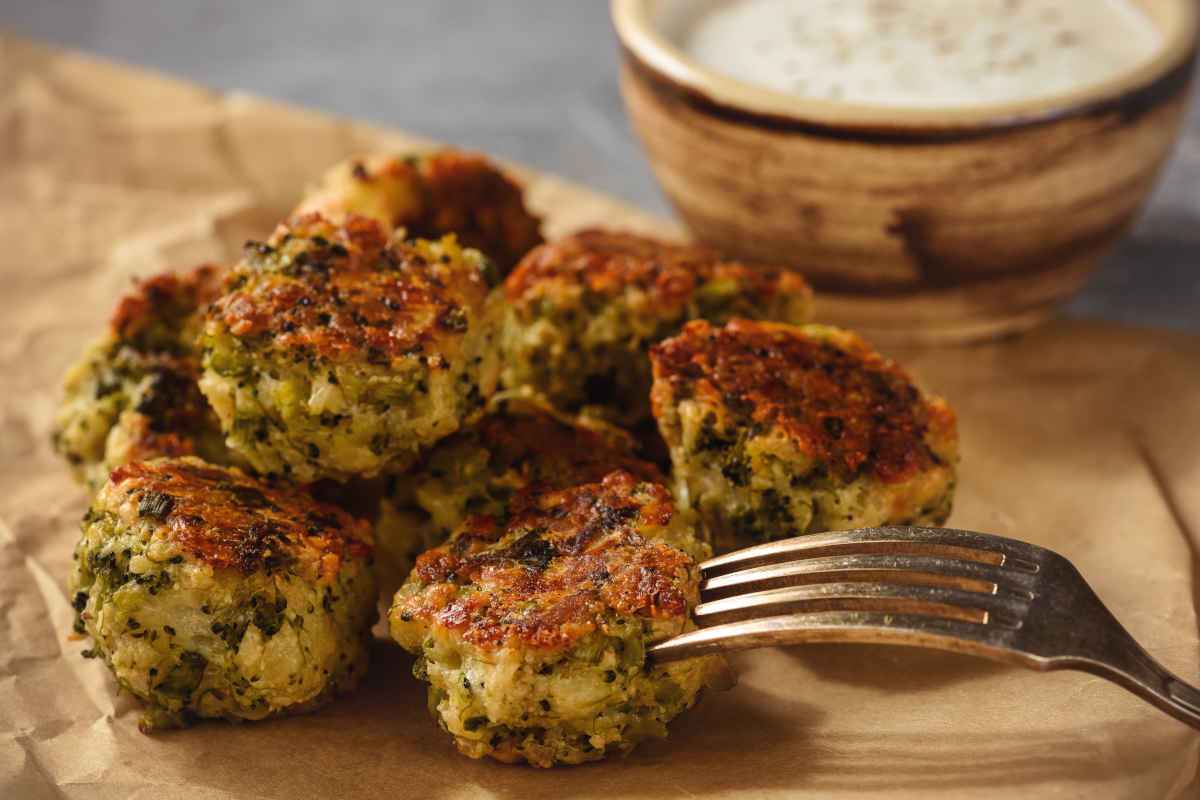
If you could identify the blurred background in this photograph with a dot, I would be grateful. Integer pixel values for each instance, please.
(529, 80)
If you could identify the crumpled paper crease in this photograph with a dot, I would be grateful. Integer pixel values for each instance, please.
(1081, 437)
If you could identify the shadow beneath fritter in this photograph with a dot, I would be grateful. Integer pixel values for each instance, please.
(714, 748)
(767, 735)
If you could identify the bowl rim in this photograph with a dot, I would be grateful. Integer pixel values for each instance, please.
(1170, 69)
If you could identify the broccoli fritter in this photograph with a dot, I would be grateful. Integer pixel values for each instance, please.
(777, 431)
(521, 445)
(336, 353)
(582, 312)
(133, 394)
(162, 314)
(210, 594)
(532, 630)
(431, 195)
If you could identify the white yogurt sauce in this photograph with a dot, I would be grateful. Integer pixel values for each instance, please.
(922, 52)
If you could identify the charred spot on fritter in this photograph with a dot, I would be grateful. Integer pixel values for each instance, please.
(167, 417)
(337, 353)
(583, 311)
(212, 594)
(532, 628)
(777, 431)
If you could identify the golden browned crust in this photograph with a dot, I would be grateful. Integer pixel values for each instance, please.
(609, 262)
(134, 394)
(167, 299)
(344, 292)
(840, 402)
(228, 520)
(158, 317)
(443, 192)
(468, 196)
(534, 450)
(551, 572)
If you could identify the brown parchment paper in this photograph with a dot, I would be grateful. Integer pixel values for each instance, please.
(1079, 437)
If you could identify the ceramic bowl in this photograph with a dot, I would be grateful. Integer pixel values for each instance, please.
(912, 224)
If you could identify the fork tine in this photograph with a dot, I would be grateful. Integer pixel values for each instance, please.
(843, 626)
(945, 542)
(951, 573)
(884, 598)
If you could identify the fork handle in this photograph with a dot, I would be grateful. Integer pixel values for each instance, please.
(1140, 673)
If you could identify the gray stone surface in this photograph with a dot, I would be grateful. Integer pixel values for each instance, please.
(531, 80)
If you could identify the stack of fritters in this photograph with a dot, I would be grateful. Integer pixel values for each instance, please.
(406, 349)
(336, 349)
(521, 444)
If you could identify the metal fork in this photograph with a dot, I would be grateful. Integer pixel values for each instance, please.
(938, 588)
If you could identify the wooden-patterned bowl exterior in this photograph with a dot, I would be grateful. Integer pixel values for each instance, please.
(910, 233)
